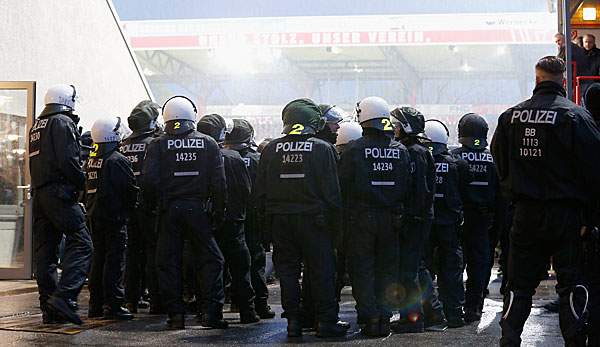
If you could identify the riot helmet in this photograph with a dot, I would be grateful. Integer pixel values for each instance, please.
(107, 129)
(241, 136)
(179, 113)
(472, 131)
(349, 131)
(143, 117)
(438, 134)
(302, 117)
(374, 112)
(409, 122)
(215, 126)
(62, 94)
(333, 116)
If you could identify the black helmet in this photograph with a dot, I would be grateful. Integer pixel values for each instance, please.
(411, 121)
(143, 116)
(472, 131)
(302, 116)
(241, 137)
(215, 126)
(592, 101)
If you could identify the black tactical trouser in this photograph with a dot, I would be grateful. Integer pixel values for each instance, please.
(232, 243)
(432, 307)
(258, 260)
(178, 219)
(298, 238)
(541, 230)
(53, 217)
(476, 246)
(412, 247)
(373, 263)
(444, 253)
(108, 264)
(141, 256)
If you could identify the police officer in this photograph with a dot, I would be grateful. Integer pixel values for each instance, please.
(409, 126)
(141, 233)
(230, 235)
(241, 139)
(542, 149)
(375, 179)
(333, 116)
(297, 189)
(444, 248)
(182, 171)
(56, 177)
(349, 131)
(478, 205)
(111, 197)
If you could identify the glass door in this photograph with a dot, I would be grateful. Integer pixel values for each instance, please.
(17, 110)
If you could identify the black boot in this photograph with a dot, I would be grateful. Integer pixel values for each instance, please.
(328, 329)
(384, 326)
(95, 312)
(50, 316)
(405, 325)
(294, 327)
(371, 327)
(117, 313)
(131, 307)
(213, 320)
(176, 321)
(65, 306)
(471, 315)
(249, 317)
(264, 311)
(455, 322)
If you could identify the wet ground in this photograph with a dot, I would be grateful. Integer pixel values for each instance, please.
(541, 328)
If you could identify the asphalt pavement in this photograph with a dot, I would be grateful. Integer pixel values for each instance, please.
(541, 328)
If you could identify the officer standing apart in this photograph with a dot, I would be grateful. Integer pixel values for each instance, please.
(479, 204)
(409, 127)
(111, 197)
(297, 190)
(444, 250)
(182, 171)
(241, 139)
(56, 179)
(542, 150)
(230, 235)
(141, 233)
(375, 181)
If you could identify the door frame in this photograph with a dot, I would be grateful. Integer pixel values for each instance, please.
(26, 271)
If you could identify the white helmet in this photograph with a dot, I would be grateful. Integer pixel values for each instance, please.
(179, 107)
(437, 131)
(349, 131)
(61, 94)
(107, 129)
(374, 112)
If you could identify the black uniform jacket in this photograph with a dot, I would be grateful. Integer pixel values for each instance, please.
(54, 151)
(111, 185)
(422, 170)
(375, 173)
(297, 175)
(484, 190)
(186, 165)
(452, 179)
(238, 185)
(545, 148)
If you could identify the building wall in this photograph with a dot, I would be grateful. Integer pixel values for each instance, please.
(74, 42)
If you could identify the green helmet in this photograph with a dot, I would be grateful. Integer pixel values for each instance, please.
(302, 116)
